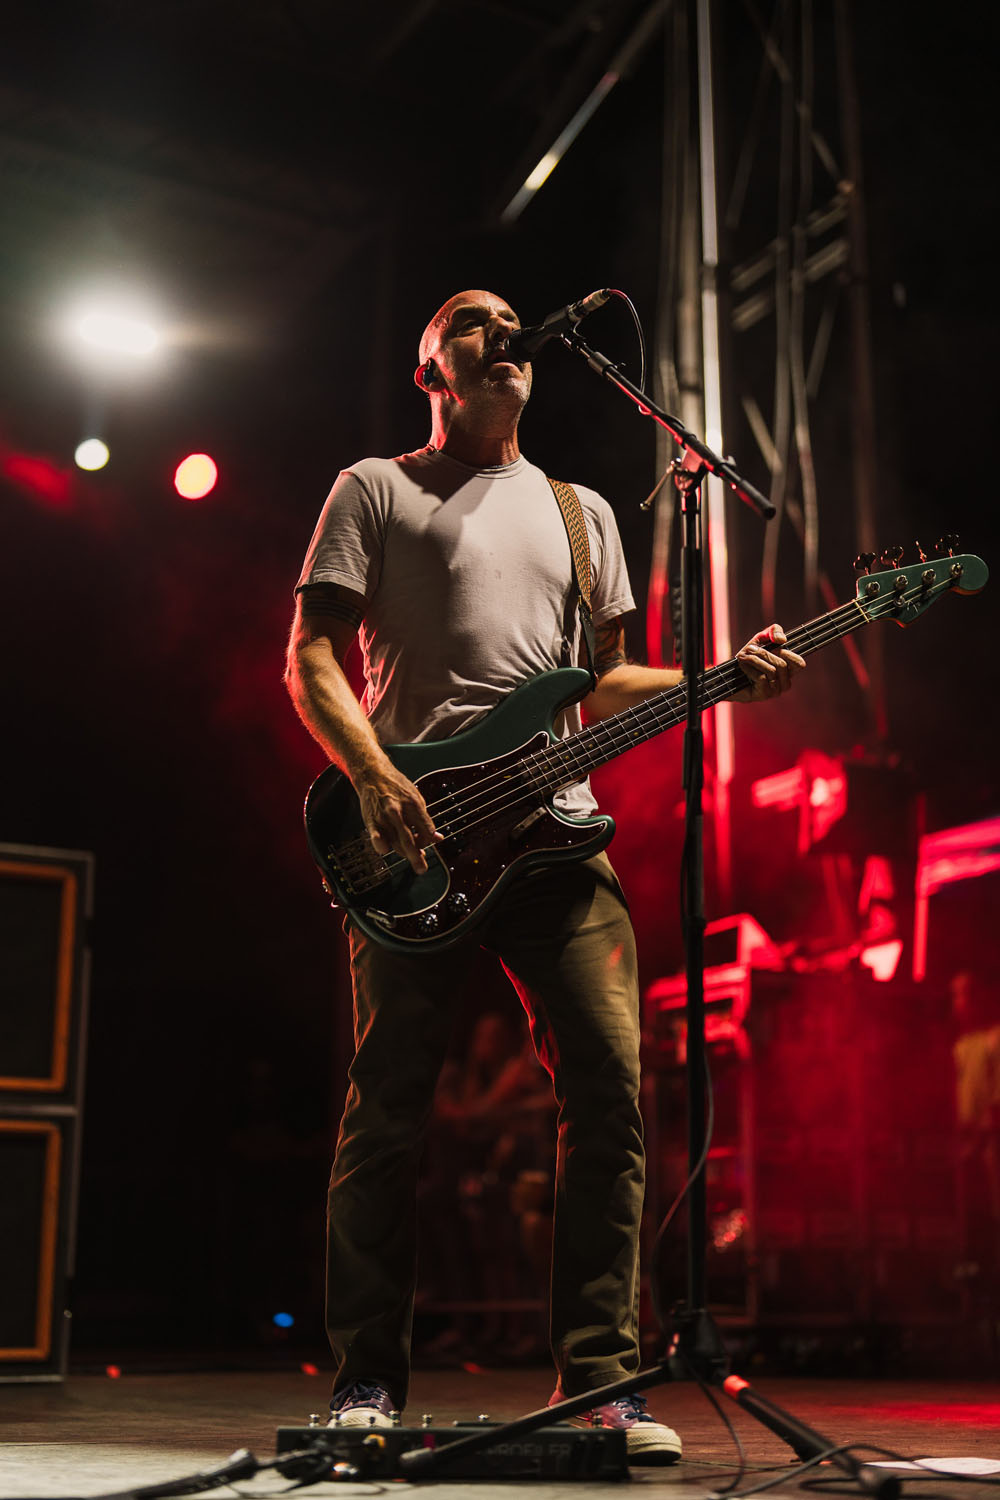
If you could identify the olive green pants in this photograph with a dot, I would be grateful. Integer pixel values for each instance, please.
(565, 940)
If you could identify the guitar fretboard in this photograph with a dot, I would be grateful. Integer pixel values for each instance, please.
(572, 759)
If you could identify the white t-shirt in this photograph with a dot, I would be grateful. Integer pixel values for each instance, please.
(466, 573)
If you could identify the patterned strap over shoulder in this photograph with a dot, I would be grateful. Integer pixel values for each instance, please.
(579, 546)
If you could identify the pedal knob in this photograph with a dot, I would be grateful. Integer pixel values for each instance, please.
(427, 923)
(315, 1419)
(458, 903)
(427, 1419)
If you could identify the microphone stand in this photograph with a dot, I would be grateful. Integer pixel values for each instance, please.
(695, 1345)
(696, 1337)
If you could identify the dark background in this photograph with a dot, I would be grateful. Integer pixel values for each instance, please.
(299, 186)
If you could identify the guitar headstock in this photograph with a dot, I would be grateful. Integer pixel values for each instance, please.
(886, 589)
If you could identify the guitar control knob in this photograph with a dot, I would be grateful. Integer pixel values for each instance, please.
(458, 903)
(427, 923)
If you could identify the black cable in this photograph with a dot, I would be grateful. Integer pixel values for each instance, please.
(922, 1476)
(796, 1470)
(638, 328)
(657, 1250)
(699, 1166)
(721, 1412)
(313, 1464)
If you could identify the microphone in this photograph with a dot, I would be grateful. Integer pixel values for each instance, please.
(525, 344)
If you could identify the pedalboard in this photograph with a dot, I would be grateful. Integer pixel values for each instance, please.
(556, 1452)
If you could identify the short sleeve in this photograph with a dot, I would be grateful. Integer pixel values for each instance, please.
(346, 547)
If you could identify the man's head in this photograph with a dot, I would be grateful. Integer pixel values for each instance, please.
(461, 359)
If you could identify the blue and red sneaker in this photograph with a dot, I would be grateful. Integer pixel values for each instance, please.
(363, 1404)
(647, 1441)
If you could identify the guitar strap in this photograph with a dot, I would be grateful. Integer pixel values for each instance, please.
(579, 546)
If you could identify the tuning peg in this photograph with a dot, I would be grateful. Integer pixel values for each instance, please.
(920, 552)
(863, 563)
(891, 557)
(945, 546)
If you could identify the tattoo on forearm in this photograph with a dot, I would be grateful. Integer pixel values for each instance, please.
(326, 599)
(609, 647)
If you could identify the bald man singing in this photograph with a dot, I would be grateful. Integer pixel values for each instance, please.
(454, 565)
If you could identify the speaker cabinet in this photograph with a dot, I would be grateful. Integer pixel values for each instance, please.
(45, 907)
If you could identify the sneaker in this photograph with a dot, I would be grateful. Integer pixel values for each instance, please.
(647, 1441)
(363, 1404)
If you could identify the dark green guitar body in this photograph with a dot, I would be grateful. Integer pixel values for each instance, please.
(482, 851)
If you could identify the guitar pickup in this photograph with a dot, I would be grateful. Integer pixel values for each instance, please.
(520, 829)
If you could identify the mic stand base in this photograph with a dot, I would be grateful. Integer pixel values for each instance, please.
(696, 1348)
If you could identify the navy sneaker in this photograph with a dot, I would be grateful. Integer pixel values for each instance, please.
(647, 1441)
(363, 1404)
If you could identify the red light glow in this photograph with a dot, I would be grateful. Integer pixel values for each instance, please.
(39, 477)
(826, 800)
(823, 792)
(883, 959)
(195, 476)
(960, 853)
(783, 790)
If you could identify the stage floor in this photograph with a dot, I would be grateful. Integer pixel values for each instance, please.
(94, 1434)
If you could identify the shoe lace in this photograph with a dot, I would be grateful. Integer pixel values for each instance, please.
(633, 1406)
(363, 1392)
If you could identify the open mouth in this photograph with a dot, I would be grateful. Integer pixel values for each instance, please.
(500, 356)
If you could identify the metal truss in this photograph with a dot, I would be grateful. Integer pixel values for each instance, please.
(763, 249)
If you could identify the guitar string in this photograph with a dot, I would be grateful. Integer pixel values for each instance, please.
(651, 717)
(727, 677)
(718, 683)
(566, 756)
(563, 753)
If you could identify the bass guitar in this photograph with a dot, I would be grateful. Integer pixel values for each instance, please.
(489, 789)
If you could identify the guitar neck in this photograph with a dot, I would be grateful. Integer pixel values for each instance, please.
(571, 759)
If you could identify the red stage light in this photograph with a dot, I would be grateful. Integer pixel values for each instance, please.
(195, 476)
(783, 790)
(39, 476)
(882, 958)
(825, 797)
(953, 854)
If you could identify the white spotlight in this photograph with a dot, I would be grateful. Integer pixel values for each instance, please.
(92, 454)
(119, 334)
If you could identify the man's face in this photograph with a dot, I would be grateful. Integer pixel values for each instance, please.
(465, 338)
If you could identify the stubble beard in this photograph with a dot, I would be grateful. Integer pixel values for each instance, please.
(508, 393)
